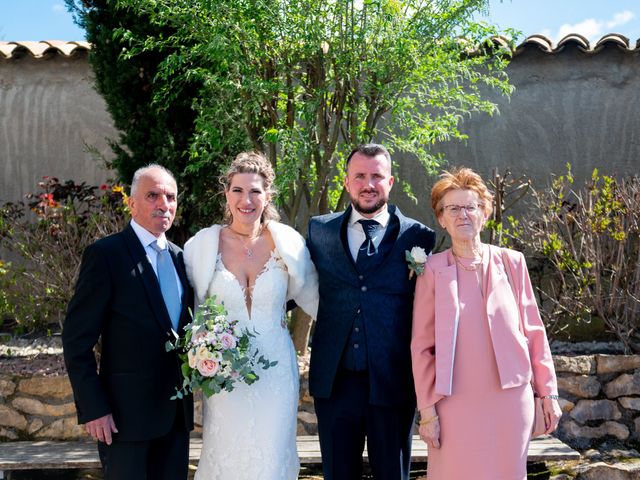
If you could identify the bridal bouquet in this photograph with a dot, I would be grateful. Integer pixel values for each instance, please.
(215, 352)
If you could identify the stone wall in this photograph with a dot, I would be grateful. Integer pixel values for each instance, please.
(600, 397)
(41, 407)
(37, 408)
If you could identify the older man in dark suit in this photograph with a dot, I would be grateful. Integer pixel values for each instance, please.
(360, 372)
(131, 293)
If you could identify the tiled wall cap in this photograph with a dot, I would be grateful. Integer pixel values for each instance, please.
(546, 45)
(41, 49)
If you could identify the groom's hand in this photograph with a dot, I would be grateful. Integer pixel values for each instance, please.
(101, 428)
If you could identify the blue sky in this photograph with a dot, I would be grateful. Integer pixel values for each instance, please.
(49, 19)
(557, 18)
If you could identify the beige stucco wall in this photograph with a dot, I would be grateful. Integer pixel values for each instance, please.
(568, 106)
(49, 114)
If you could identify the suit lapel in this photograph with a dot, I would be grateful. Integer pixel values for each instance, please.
(396, 226)
(496, 281)
(344, 239)
(386, 245)
(182, 274)
(402, 220)
(149, 279)
(446, 324)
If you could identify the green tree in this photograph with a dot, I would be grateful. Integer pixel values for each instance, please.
(307, 80)
(151, 132)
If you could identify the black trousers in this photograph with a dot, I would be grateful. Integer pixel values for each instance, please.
(163, 458)
(346, 420)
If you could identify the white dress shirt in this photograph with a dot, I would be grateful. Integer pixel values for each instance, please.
(355, 233)
(146, 239)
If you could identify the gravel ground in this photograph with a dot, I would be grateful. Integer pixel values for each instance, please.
(41, 356)
(586, 348)
(23, 347)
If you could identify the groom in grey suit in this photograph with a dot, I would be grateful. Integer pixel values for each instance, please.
(360, 372)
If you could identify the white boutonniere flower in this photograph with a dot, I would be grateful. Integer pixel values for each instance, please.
(416, 258)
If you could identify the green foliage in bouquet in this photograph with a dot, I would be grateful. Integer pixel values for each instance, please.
(216, 353)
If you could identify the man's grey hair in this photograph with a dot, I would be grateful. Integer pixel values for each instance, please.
(370, 150)
(142, 171)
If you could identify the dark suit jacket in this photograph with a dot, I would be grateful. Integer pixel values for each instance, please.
(118, 298)
(383, 296)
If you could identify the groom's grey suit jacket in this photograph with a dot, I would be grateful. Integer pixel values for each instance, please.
(381, 295)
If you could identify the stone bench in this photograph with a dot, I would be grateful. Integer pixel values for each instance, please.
(58, 455)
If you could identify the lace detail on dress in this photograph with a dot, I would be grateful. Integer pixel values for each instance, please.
(250, 433)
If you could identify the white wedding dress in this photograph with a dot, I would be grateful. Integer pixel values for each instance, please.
(250, 433)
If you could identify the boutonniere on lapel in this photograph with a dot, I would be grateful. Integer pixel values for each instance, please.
(416, 258)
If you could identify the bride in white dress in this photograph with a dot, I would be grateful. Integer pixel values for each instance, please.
(254, 265)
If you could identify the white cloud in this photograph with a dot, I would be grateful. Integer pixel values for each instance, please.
(592, 28)
(58, 8)
(620, 19)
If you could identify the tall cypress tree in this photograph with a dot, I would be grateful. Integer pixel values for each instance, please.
(149, 132)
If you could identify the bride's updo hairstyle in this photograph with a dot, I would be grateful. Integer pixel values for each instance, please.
(252, 162)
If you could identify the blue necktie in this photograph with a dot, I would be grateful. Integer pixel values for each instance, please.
(168, 285)
(368, 248)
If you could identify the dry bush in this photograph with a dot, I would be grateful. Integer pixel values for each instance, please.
(589, 240)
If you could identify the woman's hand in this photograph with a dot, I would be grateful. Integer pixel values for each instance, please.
(429, 427)
(552, 414)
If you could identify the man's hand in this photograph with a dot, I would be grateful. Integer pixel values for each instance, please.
(101, 428)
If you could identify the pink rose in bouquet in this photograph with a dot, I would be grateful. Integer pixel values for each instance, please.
(208, 367)
(227, 340)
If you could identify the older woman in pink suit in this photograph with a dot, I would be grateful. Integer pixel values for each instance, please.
(476, 348)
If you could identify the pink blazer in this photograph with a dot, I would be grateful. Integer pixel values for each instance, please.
(435, 326)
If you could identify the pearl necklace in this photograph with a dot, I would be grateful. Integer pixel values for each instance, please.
(247, 249)
(470, 268)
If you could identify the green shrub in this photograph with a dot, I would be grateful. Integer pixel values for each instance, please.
(42, 241)
(585, 243)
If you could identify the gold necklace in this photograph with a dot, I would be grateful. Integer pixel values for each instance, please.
(248, 251)
(470, 268)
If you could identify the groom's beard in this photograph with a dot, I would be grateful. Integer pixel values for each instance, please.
(367, 210)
